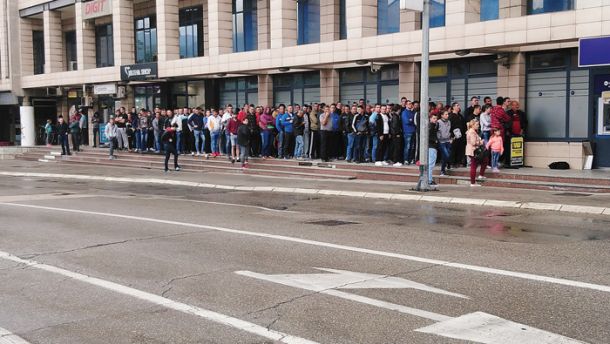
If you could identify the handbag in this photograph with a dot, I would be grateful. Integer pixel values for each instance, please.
(480, 154)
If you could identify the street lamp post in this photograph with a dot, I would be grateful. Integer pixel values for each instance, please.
(424, 166)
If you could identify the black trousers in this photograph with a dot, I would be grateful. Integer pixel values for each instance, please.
(382, 147)
(325, 138)
(397, 148)
(288, 144)
(170, 148)
(314, 144)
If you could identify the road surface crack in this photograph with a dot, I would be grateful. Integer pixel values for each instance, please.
(169, 285)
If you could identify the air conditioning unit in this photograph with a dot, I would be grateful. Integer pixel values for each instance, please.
(120, 92)
(72, 66)
(54, 91)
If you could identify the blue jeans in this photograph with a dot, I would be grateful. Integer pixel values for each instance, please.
(179, 142)
(65, 144)
(199, 141)
(157, 141)
(495, 157)
(215, 136)
(375, 139)
(138, 138)
(432, 153)
(486, 136)
(366, 143)
(228, 143)
(359, 141)
(143, 139)
(445, 148)
(280, 144)
(350, 146)
(267, 139)
(298, 147)
(408, 148)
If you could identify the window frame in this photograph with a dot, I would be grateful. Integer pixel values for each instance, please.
(530, 7)
(150, 41)
(191, 18)
(304, 22)
(299, 82)
(70, 48)
(108, 35)
(495, 6)
(387, 29)
(366, 82)
(38, 52)
(249, 34)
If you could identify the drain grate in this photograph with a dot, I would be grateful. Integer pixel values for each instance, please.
(572, 194)
(331, 223)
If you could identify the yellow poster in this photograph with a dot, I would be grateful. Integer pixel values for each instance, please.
(516, 151)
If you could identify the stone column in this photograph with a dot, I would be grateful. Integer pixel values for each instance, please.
(85, 40)
(168, 30)
(220, 22)
(329, 86)
(329, 20)
(459, 12)
(283, 23)
(27, 46)
(53, 42)
(265, 90)
(408, 80)
(361, 18)
(410, 21)
(264, 39)
(511, 79)
(123, 32)
(513, 8)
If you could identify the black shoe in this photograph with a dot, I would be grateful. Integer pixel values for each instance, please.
(433, 183)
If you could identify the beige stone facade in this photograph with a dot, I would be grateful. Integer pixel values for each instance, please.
(513, 35)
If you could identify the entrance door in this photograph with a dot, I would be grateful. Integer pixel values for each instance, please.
(600, 82)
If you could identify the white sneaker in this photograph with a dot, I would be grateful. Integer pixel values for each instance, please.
(481, 177)
(397, 164)
(378, 163)
(475, 185)
(192, 153)
(384, 163)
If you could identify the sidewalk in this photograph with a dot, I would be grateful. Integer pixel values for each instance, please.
(454, 194)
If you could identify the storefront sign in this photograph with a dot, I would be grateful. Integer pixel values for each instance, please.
(601, 83)
(594, 52)
(72, 94)
(103, 137)
(97, 8)
(104, 89)
(142, 71)
(516, 151)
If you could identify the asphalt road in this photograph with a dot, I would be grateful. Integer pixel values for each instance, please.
(173, 265)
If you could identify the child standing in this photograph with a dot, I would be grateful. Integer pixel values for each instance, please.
(496, 144)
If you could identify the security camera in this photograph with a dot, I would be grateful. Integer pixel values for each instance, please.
(375, 67)
(502, 60)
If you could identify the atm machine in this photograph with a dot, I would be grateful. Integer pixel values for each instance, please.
(603, 115)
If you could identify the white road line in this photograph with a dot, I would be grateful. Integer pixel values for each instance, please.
(222, 203)
(7, 337)
(162, 301)
(500, 272)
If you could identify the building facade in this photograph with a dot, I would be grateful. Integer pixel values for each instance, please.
(174, 53)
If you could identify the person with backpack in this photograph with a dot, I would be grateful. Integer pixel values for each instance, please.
(169, 139)
(476, 152)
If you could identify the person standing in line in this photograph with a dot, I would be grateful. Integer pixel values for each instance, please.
(280, 129)
(458, 129)
(95, 124)
(469, 114)
(486, 123)
(75, 133)
(169, 139)
(48, 130)
(62, 133)
(196, 124)
(224, 120)
(299, 129)
(396, 134)
(473, 142)
(266, 124)
(374, 132)
(350, 134)
(121, 123)
(143, 124)
(407, 117)
(360, 129)
(326, 127)
(215, 128)
(244, 135)
(111, 133)
(433, 146)
(445, 138)
(288, 129)
(83, 122)
(383, 132)
(253, 115)
(314, 129)
(177, 119)
(306, 131)
(157, 126)
(232, 128)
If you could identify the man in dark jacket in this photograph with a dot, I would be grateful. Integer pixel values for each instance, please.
(243, 140)
(169, 143)
(458, 147)
(62, 132)
(396, 136)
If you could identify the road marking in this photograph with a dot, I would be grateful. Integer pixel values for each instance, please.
(7, 337)
(483, 269)
(42, 197)
(342, 279)
(486, 328)
(477, 327)
(164, 302)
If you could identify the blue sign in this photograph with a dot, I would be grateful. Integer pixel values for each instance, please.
(103, 137)
(601, 83)
(594, 52)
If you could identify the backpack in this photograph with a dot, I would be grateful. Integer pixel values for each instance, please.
(559, 165)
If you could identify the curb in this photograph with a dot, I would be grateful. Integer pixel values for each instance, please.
(567, 208)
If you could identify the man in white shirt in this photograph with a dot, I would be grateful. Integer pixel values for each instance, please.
(224, 121)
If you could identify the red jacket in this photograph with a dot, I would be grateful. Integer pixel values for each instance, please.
(232, 126)
(499, 118)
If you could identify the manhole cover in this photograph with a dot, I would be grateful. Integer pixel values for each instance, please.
(332, 223)
(572, 194)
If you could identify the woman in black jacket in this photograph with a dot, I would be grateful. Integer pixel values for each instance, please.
(396, 136)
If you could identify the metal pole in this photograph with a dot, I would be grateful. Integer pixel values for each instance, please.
(423, 184)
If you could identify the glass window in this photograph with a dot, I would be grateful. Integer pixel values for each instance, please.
(360, 83)
(38, 51)
(438, 70)
(238, 91)
(146, 39)
(547, 60)
(483, 67)
(437, 13)
(351, 75)
(147, 97)
(546, 104)
(388, 16)
(546, 6)
(308, 21)
(191, 32)
(296, 88)
(104, 47)
(342, 20)
(579, 104)
(389, 73)
(70, 46)
(245, 25)
(490, 9)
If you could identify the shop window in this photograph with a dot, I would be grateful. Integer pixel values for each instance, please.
(438, 70)
(188, 94)
(388, 16)
(360, 83)
(547, 60)
(38, 51)
(308, 21)
(104, 46)
(238, 91)
(546, 6)
(437, 13)
(296, 88)
(70, 46)
(245, 25)
(490, 9)
(191, 32)
(146, 39)
(147, 97)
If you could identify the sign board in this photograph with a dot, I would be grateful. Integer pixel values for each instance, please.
(104, 89)
(601, 83)
(96, 8)
(141, 71)
(72, 94)
(594, 52)
(412, 5)
(103, 137)
(516, 151)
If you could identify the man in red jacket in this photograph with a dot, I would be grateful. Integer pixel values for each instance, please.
(499, 118)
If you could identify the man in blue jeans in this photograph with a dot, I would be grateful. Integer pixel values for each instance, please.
(351, 133)
(196, 121)
(373, 131)
(408, 128)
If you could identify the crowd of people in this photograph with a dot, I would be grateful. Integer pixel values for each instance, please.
(383, 134)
